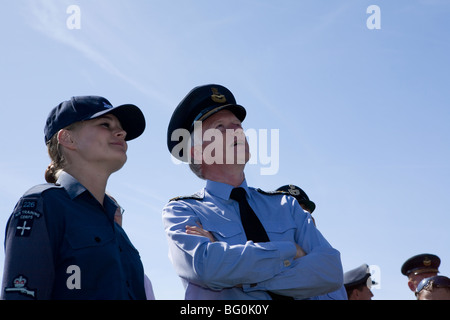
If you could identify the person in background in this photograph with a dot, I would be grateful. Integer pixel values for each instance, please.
(434, 288)
(301, 197)
(309, 206)
(61, 240)
(419, 267)
(358, 282)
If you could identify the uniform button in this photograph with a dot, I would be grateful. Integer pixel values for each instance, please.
(286, 263)
(97, 239)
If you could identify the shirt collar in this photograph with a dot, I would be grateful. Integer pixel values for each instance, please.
(70, 184)
(75, 188)
(222, 190)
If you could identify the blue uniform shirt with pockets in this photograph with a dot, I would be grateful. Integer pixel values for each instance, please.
(61, 243)
(234, 268)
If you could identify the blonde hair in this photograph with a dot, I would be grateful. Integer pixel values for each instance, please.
(58, 161)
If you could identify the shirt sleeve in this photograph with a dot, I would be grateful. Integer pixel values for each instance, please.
(319, 272)
(29, 269)
(219, 265)
(149, 294)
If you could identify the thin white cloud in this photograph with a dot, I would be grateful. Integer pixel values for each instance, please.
(49, 17)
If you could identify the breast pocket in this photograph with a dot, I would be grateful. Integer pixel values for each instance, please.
(229, 232)
(89, 237)
(280, 230)
(93, 250)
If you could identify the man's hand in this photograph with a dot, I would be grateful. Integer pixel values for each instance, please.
(199, 231)
(300, 252)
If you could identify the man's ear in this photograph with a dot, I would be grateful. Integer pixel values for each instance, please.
(353, 295)
(411, 285)
(65, 139)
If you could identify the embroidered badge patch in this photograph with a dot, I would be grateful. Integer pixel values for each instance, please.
(25, 214)
(23, 229)
(19, 285)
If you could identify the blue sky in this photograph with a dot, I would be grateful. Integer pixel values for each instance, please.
(362, 114)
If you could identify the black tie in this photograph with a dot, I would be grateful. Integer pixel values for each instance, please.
(253, 228)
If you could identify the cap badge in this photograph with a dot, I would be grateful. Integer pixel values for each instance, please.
(427, 262)
(217, 97)
(20, 282)
(293, 191)
(107, 106)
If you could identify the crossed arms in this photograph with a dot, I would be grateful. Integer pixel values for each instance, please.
(299, 262)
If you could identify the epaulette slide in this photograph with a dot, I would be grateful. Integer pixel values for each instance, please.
(195, 196)
(272, 193)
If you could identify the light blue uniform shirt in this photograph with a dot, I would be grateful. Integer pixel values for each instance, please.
(234, 268)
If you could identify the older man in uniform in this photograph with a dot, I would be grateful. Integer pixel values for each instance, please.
(419, 267)
(266, 246)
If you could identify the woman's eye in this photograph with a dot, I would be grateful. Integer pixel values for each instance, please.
(105, 124)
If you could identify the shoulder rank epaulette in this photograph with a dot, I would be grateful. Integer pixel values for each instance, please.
(40, 188)
(195, 196)
(272, 193)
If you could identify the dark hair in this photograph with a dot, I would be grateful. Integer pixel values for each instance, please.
(358, 287)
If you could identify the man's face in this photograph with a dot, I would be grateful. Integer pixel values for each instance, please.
(366, 294)
(223, 140)
(434, 294)
(362, 293)
(414, 279)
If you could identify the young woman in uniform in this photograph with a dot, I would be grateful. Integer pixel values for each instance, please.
(61, 240)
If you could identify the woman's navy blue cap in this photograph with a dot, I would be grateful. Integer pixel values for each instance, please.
(199, 104)
(83, 108)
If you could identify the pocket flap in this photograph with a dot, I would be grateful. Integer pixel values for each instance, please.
(89, 237)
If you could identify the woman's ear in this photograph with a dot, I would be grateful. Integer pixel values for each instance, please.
(65, 139)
